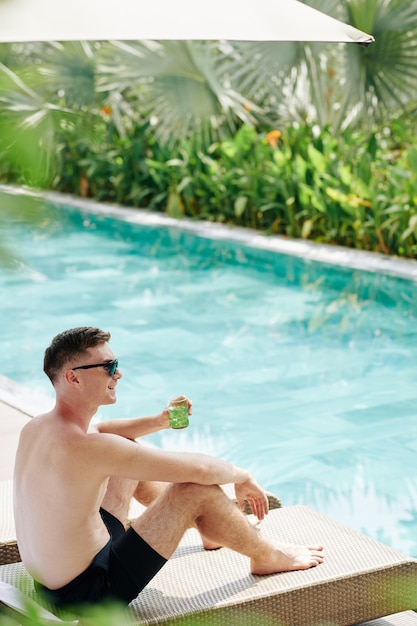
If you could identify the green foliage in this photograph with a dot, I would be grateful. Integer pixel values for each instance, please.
(100, 615)
(114, 615)
(354, 189)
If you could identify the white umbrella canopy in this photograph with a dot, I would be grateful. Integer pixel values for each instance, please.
(241, 20)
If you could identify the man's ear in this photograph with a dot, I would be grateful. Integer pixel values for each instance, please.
(71, 377)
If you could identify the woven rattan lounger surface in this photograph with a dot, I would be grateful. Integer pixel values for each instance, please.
(361, 579)
(9, 552)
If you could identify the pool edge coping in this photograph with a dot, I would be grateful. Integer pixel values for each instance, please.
(310, 250)
(23, 398)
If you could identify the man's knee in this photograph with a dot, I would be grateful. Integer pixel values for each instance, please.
(193, 491)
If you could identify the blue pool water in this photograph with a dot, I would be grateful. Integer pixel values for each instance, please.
(302, 372)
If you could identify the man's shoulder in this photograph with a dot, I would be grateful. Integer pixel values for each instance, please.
(33, 424)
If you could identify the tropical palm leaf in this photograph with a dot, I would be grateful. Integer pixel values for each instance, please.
(67, 72)
(28, 125)
(182, 86)
(348, 85)
(382, 79)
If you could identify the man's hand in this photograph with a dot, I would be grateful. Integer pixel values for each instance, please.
(189, 402)
(255, 495)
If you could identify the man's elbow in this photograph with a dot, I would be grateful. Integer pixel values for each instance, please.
(206, 472)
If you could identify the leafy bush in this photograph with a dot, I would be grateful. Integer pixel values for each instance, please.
(352, 189)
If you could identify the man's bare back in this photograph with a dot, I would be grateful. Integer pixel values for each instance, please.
(60, 529)
(66, 470)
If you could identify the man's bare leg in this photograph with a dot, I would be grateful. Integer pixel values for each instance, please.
(182, 506)
(119, 493)
(147, 492)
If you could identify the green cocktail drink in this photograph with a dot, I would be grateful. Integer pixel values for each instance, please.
(178, 413)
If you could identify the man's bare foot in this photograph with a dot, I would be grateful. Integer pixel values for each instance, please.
(287, 558)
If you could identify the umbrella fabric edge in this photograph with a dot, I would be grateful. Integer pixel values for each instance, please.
(236, 20)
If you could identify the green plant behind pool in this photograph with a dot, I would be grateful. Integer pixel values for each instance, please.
(354, 189)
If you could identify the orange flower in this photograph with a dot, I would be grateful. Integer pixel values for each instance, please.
(106, 109)
(272, 138)
(247, 106)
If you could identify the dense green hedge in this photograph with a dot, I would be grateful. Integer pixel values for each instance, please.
(352, 190)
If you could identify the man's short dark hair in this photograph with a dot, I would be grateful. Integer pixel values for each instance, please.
(70, 344)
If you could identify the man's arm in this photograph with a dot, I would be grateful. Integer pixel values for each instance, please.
(133, 428)
(138, 427)
(116, 456)
(113, 455)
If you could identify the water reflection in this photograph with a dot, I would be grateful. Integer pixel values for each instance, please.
(366, 508)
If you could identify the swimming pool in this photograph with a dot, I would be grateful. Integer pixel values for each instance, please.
(301, 371)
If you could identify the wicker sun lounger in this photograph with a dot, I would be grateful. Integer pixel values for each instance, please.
(360, 580)
(9, 552)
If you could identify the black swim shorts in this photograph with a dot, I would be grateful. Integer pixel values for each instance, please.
(119, 571)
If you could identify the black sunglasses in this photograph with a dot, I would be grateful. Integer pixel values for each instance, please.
(110, 366)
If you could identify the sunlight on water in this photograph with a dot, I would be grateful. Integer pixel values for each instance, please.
(299, 371)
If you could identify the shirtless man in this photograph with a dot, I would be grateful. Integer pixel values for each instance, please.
(73, 483)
